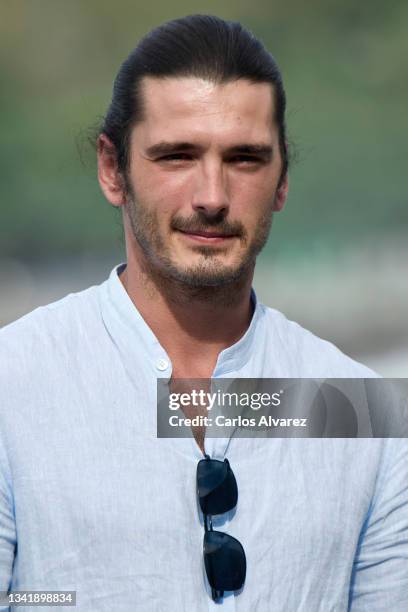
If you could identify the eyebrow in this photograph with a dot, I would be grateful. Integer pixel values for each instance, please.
(262, 150)
(166, 148)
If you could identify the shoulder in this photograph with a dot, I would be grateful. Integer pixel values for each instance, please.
(48, 331)
(307, 355)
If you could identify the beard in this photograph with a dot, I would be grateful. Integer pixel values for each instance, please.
(209, 271)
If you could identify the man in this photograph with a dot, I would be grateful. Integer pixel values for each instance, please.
(193, 150)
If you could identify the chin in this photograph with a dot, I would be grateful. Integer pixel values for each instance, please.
(204, 276)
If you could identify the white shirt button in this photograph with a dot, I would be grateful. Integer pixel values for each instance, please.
(162, 364)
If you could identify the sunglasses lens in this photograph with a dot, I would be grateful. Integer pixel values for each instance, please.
(216, 486)
(224, 560)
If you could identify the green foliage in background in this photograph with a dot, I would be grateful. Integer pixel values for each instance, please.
(345, 69)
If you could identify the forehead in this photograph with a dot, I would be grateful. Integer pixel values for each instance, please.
(189, 108)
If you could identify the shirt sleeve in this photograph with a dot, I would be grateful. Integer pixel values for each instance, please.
(7, 525)
(379, 581)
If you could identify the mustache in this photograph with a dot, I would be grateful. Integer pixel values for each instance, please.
(201, 223)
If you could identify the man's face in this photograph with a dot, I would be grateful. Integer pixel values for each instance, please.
(203, 178)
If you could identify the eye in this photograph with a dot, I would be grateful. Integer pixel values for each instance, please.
(176, 157)
(245, 160)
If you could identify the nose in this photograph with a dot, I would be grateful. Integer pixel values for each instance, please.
(211, 193)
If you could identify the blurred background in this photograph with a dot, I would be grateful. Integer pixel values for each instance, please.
(337, 258)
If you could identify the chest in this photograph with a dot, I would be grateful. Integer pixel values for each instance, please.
(132, 503)
(184, 384)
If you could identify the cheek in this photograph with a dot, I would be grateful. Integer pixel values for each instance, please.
(165, 192)
(152, 177)
(254, 205)
(257, 189)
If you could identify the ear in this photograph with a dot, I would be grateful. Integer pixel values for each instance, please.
(110, 179)
(281, 194)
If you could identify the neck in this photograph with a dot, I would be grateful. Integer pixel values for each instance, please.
(193, 324)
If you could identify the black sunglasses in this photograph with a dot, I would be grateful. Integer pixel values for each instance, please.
(224, 556)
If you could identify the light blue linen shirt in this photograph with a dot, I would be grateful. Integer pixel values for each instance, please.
(92, 501)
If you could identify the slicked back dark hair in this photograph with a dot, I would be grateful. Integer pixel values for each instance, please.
(202, 46)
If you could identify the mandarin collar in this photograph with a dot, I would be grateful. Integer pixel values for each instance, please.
(132, 335)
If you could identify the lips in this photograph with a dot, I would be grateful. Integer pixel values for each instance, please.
(206, 236)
